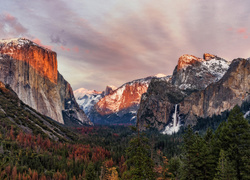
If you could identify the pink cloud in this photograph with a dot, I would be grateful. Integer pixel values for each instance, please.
(11, 27)
(9, 17)
(38, 41)
(76, 49)
(241, 30)
(64, 48)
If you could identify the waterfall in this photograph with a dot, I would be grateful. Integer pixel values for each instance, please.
(175, 116)
(175, 125)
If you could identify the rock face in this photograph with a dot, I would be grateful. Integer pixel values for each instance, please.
(198, 89)
(127, 96)
(232, 89)
(114, 105)
(31, 71)
(109, 90)
(121, 105)
(194, 73)
(88, 98)
(41, 59)
(186, 60)
(157, 104)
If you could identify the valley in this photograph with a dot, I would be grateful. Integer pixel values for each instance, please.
(190, 121)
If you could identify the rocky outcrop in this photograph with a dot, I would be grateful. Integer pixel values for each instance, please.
(157, 104)
(87, 99)
(187, 60)
(123, 98)
(109, 90)
(199, 89)
(231, 90)
(208, 56)
(194, 73)
(41, 59)
(31, 71)
(121, 105)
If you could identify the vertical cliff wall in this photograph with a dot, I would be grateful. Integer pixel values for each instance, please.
(200, 88)
(31, 71)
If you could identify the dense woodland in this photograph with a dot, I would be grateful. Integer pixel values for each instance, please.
(216, 148)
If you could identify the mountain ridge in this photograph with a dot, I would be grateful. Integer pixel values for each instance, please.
(185, 90)
(118, 106)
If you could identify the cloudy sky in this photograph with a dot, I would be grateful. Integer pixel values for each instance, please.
(110, 42)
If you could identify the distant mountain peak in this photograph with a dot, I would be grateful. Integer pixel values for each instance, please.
(20, 42)
(109, 89)
(208, 56)
(82, 91)
(187, 60)
(160, 75)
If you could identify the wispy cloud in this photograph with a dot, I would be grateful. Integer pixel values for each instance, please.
(117, 41)
(11, 27)
(38, 41)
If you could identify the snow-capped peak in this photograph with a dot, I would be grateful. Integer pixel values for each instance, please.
(160, 75)
(20, 42)
(82, 91)
(87, 98)
(196, 73)
(112, 87)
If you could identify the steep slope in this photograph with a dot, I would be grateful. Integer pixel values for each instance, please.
(88, 98)
(231, 90)
(191, 75)
(194, 73)
(120, 106)
(31, 71)
(115, 105)
(13, 112)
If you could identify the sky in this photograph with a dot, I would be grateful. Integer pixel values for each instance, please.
(111, 42)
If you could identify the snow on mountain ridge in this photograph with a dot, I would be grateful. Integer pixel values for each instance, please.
(217, 67)
(82, 92)
(160, 75)
(196, 73)
(20, 42)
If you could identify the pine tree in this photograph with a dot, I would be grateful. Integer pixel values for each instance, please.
(190, 156)
(140, 165)
(198, 159)
(225, 170)
(234, 138)
(209, 161)
(174, 166)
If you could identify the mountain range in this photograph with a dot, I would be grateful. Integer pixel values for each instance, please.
(198, 88)
(114, 105)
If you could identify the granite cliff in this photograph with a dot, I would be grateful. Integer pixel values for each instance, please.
(198, 88)
(31, 71)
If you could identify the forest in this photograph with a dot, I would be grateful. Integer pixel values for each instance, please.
(35, 147)
(125, 153)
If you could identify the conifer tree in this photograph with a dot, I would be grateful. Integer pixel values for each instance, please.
(189, 167)
(198, 161)
(174, 166)
(225, 170)
(234, 138)
(140, 165)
